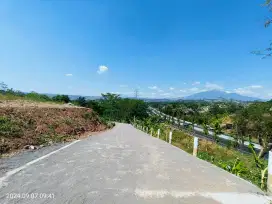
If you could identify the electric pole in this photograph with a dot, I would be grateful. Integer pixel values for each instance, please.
(136, 92)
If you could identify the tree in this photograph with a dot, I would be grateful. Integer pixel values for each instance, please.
(261, 125)
(241, 123)
(268, 51)
(61, 98)
(81, 101)
(205, 129)
(255, 121)
(3, 87)
(119, 109)
(217, 130)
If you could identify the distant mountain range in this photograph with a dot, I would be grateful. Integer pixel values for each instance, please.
(209, 95)
(206, 95)
(217, 95)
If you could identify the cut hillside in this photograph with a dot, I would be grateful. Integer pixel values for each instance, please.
(36, 124)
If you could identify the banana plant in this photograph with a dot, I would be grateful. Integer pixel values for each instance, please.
(260, 165)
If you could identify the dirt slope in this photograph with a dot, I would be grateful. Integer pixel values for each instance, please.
(27, 124)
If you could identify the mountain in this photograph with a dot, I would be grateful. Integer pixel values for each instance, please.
(220, 95)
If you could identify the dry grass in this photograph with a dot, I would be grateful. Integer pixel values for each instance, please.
(44, 125)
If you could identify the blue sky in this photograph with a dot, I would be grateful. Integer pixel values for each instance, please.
(163, 48)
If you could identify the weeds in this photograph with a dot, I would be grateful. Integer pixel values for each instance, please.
(35, 126)
(89, 116)
(227, 158)
(8, 128)
(261, 165)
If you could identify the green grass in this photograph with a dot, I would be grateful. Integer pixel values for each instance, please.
(8, 128)
(231, 160)
(29, 97)
(10, 97)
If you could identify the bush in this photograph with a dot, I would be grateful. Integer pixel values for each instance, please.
(61, 98)
(229, 159)
(8, 128)
(37, 97)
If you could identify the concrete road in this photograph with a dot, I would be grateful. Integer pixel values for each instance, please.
(124, 165)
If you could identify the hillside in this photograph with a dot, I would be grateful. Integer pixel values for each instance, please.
(25, 123)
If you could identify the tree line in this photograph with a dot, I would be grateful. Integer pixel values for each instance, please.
(110, 106)
(249, 121)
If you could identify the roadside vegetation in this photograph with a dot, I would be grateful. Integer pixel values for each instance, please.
(246, 166)
(243, 121)
(37, 119)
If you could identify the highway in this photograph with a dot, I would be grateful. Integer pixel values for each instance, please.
(200, 129)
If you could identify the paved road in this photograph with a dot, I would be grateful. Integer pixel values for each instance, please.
(125, 165)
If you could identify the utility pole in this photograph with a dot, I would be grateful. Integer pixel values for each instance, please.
(136, 92)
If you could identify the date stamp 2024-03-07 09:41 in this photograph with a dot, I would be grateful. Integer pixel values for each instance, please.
(30, 195)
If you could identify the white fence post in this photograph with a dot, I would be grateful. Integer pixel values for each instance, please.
(195, 146)
(269, 176)
(158, 133)
(170, 137)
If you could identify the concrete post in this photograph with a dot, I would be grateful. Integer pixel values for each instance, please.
(195, 146)
(170, 137)
(269, 176)
(147, 130)
(151, 131)
(158, 133)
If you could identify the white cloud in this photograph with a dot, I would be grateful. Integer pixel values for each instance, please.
(184, 83)
(194, 89)
(115, 92)
(123, 85)
(196, 83)
(153, 93)
(160, 90)
(68, 75)
(244, 91)
(165, 94)
(250, 90)
(171, 88)
(129, 93)
(183, 91)
(211, 86)
(102, 69)
(153, 87)
(256, 86)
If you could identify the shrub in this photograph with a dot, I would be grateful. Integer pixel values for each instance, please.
(8, 128)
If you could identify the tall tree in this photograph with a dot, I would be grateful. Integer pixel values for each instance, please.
(268, 51)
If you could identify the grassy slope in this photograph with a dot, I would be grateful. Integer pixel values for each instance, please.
(222, 157)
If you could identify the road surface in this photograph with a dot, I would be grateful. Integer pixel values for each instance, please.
(124, 165)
